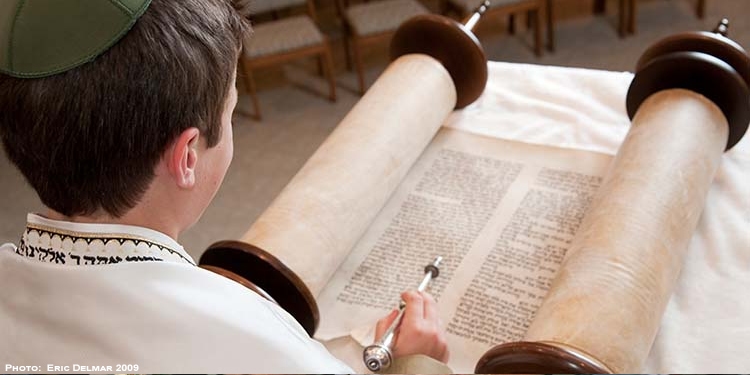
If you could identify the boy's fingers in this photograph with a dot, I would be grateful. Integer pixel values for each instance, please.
(384, 323)
(430, 308)
(414, 308)
(445, 356)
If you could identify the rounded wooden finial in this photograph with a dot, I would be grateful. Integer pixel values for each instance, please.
(526, 357)
(453, 45)
(708, 63)
(265, 272)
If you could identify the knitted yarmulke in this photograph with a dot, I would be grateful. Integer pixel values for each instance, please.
(43, 37)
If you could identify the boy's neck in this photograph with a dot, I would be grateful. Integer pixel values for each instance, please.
(134, 217)
(163, 207)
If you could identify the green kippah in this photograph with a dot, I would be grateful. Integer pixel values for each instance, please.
(43, 37)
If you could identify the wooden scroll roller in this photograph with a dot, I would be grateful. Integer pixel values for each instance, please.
(689, 102)
(297, 244)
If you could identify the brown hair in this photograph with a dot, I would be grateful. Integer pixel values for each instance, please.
(89, 138)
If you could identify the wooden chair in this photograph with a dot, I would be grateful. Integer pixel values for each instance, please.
(700, 12)
(628, 12)
(700, 9)
(284, 39)
(373, 22)
(511, 8)
(624, 8)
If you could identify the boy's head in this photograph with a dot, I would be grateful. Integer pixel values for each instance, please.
(154, 107)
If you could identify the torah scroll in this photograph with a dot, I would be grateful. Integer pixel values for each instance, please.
(605, 306)
(318, 217)
(350, 177)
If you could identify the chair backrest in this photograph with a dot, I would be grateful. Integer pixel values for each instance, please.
(262, 6)
(470, 5)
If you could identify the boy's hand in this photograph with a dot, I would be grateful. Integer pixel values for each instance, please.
(420, 331)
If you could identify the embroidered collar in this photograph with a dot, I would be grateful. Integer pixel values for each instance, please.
(78, 244)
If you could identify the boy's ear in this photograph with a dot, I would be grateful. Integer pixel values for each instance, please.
(183, 158)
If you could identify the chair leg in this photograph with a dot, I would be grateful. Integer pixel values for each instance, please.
(537, 32)
(321, 65)
(512, 24)
(633, 14)
(328, 68)
(600, 6)
(251, 89)
(348, 52)
(623, 18)
(550, 15)
(701, 9)
(529, 19)
(443, 7)
(358, 64)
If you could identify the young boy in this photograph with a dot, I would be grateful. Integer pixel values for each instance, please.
(118, 113)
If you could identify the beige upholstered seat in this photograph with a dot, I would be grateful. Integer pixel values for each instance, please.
(383, 16)
(470, 5)
(280, 40)
(263, 6)
(371, 22)
(284, 35)
(534, 9)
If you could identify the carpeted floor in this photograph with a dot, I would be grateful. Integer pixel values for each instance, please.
(298, 117)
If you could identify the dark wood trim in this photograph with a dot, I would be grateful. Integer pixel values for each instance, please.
(237, 259)
(526, 357)
(550, 18)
